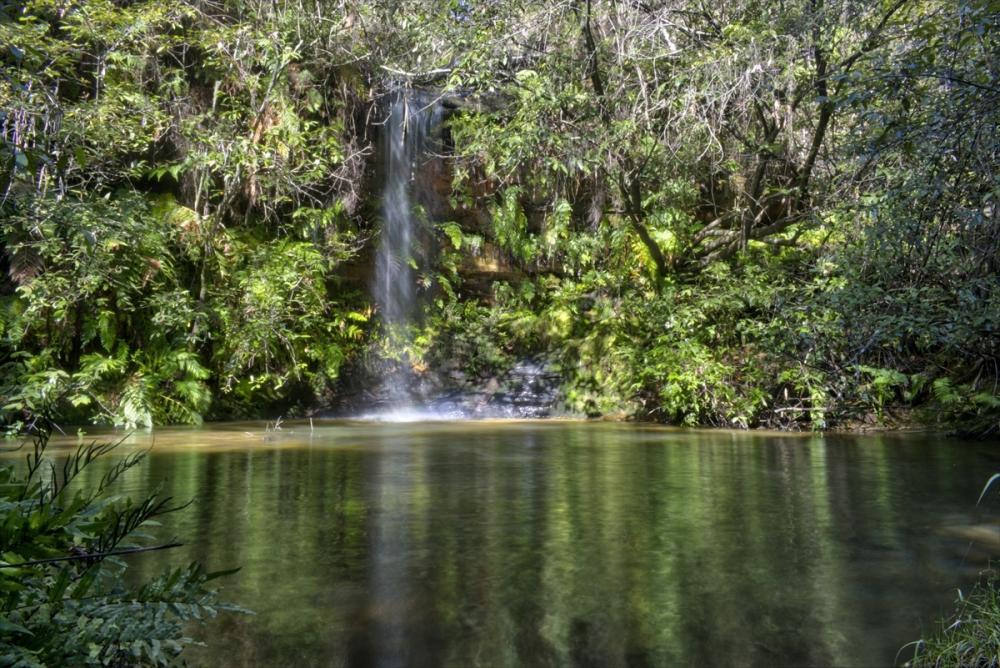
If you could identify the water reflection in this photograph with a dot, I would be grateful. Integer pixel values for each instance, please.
(569, 544)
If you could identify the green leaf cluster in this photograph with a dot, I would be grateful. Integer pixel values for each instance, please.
(63, 596)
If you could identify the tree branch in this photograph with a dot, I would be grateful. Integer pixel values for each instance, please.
(93, 556)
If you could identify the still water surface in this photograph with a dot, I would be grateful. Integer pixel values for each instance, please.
(566, 543)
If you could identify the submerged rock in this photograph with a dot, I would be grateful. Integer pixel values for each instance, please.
(985, 536)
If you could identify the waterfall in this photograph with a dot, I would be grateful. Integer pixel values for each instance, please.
(408, 131)
(411, 137)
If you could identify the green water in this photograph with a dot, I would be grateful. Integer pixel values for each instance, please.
(568, 544)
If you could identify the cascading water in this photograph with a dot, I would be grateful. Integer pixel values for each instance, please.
(408, 130)
(411, 138)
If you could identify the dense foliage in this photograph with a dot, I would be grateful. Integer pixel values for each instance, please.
(177, 188)
(809, 190)
(63, 597)
(762, 214)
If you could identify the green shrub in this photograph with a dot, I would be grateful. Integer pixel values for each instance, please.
(63, 596)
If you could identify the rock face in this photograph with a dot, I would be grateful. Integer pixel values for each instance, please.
(530, 389)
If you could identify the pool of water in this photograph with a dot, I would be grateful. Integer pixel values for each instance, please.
(567, 543)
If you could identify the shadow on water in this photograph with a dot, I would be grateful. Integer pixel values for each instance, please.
(569, 544)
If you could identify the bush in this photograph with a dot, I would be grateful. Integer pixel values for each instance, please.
(63, 597)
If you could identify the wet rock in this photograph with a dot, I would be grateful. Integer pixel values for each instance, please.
(530, 389)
